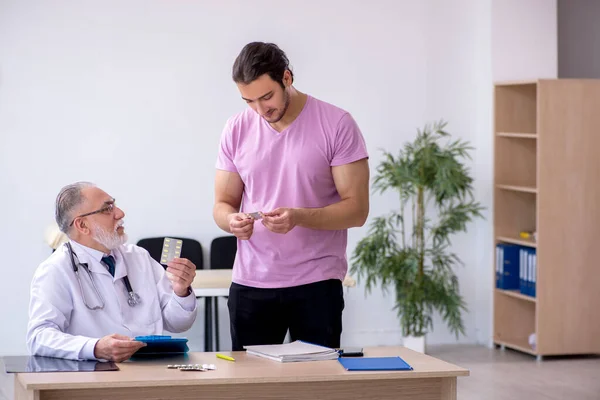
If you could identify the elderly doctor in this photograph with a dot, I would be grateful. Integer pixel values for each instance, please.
(117, 293)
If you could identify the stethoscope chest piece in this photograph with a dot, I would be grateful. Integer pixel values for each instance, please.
(133, 299)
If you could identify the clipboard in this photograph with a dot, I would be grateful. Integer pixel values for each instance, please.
(160, 345)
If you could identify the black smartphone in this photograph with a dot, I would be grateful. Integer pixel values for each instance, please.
(351, 352)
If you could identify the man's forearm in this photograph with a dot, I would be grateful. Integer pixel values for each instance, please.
(348, 213)
(220, 212)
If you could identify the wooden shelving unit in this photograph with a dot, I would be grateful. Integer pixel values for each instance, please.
(525, 189)
(516, 240)
(547, 179)
(516, 294)
(517, 135)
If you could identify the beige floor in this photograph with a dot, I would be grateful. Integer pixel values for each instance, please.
(504, 375)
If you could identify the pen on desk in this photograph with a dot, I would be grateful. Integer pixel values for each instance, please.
(224, 357)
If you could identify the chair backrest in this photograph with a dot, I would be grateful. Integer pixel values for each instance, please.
(222, 252)
(191, 249)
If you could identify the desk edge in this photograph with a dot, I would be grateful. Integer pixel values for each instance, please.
(245, 381)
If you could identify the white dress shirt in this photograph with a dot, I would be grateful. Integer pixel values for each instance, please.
(61, 325)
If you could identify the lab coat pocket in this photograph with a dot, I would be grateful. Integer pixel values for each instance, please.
(152, 312)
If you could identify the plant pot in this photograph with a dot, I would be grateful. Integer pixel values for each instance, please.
(416, 343)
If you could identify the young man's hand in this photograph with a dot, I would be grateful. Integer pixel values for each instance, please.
(281, 220)
(241, 225)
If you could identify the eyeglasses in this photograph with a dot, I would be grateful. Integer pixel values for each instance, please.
(107, 210)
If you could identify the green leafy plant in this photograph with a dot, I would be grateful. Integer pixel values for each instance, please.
(418, 263)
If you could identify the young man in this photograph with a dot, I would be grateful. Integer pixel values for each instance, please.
(88, 314)
(303, 164)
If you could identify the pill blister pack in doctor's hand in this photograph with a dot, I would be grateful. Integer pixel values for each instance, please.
(193, 367)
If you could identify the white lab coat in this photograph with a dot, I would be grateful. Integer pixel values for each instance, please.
(60, 324)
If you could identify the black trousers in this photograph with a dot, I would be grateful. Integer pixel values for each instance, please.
(312, 313)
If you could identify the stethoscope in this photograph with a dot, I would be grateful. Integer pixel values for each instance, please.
(132, 297)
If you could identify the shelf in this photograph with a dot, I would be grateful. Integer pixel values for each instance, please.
(516, 294)
(520, 346)
(514, 212)
(514, 321)
(515, 107)
(515, 161)
(519, 241)
(515, 188)
(517, 135)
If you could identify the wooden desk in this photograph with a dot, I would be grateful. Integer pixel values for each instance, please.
(216, 282)
(249, 377)
(213, 283)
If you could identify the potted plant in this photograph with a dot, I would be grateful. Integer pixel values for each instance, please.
(409, 249)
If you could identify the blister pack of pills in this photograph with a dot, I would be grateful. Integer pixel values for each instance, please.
(193, 367)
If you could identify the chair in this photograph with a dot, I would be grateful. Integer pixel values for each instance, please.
(222, 256)
(191, 249)
(222, 252)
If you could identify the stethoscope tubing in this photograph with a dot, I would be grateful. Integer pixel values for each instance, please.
(133, 298)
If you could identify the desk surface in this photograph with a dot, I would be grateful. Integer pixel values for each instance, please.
(221, 279)
(246, 369)
(212, 279)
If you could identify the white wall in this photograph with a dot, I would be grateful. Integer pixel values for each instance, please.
(524, 39)
(458, 89)
(133, 96)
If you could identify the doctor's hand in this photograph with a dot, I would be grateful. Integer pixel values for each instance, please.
(116, 347)
(181, 272)
(241, 225)
(281, 220)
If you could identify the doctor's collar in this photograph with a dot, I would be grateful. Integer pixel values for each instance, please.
(93, 253)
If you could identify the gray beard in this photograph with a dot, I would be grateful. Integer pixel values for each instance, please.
(110, 240)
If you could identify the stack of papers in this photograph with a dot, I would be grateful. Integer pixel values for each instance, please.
(292, 352)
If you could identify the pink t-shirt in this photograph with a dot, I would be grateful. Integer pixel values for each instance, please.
(290, 169)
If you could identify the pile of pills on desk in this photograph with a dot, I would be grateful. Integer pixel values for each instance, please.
(193, 367)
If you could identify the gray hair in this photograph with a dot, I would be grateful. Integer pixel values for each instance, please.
(68, 199)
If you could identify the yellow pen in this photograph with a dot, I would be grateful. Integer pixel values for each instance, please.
(224, 357)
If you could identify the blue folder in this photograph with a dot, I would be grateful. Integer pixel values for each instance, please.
(507, 266)
(374, 364)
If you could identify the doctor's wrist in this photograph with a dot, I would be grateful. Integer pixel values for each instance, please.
(88, 351)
